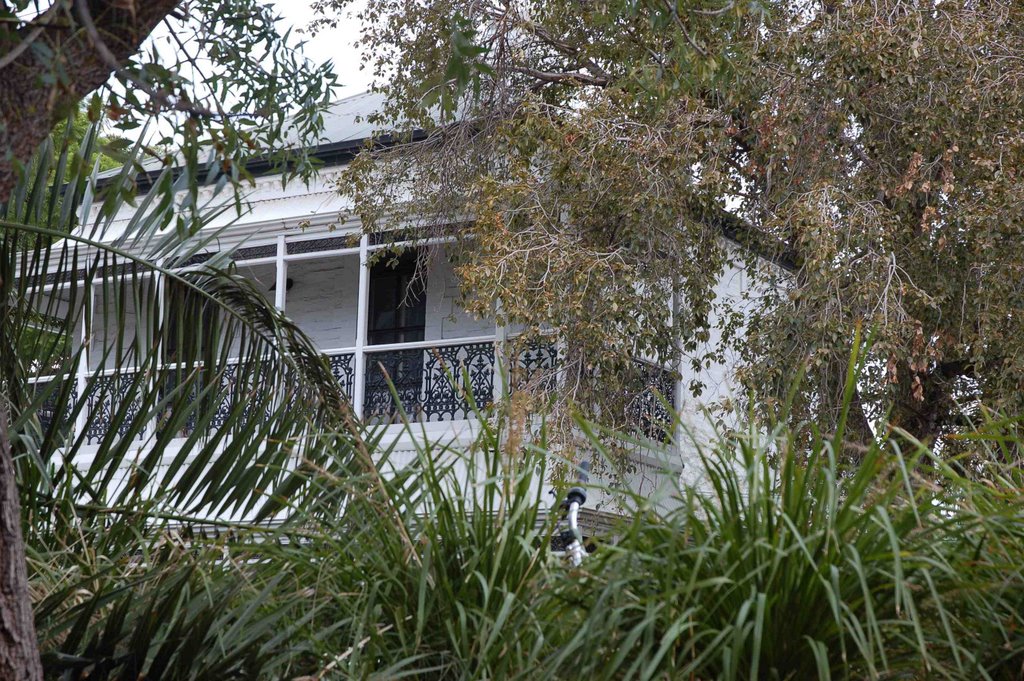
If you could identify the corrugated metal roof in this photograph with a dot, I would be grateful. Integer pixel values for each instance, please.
(345, 121)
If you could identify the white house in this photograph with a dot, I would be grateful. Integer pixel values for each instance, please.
(311, 258)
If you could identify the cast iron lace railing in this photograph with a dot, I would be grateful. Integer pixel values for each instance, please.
(441, 382)
(234, 397)
(231, 396)
(47, 412)
(113, 398)
(432, 384)
(652, 399)
(535, 368)
(343, 366)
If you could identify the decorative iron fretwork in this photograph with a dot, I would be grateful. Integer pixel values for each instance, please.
(47, 412)
(653, 398)
(255, 252)
(173, 381)
(333, 243)
(392, 236)
(227, 395)
(414, 233)
(344, 369)
(649, 391)
(452, 374)
(63, 277)
(196, 259)
(404, 370)
(132, 268)
(431, 383)
(536, 368)
(232, 392)
(98, 274)
(226, 398)
(113, 398)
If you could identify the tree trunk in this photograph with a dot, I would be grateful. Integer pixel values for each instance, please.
(19, 650)
(40, 87)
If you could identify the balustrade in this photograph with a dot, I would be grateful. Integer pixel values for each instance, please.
(113, 401)
(535, 368)
(47, 412)
(179, 378)
(343, 366)
(437, 380)
(432, 381)
(435, 383)
(652, 398)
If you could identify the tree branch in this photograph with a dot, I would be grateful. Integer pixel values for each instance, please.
(20, 47)
(33, 100)
(857, 150)
(19, 652)
(571, 76)
(567, 49)
(163, 96)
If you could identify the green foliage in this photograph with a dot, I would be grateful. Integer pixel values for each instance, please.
(110, 149)
(802, 570)
(120, 593)
(243, 84)
(870, 147)
(582, 194)
(781, 562)
(784, 562)
(225, 72)
(888, 161)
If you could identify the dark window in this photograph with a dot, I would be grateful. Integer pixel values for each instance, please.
(398, 301)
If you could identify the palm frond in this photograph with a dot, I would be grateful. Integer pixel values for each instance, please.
(198, 407)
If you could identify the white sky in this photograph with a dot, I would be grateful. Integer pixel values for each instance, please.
(329, 44)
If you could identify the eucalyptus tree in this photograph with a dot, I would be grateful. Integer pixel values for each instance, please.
(216, 67)
(573, 146)
(868, 149)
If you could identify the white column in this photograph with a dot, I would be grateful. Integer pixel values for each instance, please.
(88, 305)
(157, 280)
(359, 384)
(502, 364)
(281, 283)
(677, 397)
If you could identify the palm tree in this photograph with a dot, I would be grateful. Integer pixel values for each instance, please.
(201, 402)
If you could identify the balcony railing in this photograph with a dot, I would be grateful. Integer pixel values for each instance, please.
(431, 381)
(535, 368)
(114, 398)
(652, 399)
(48, 410)
(343, 366)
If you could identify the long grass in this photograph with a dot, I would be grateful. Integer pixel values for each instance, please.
(784, 564)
